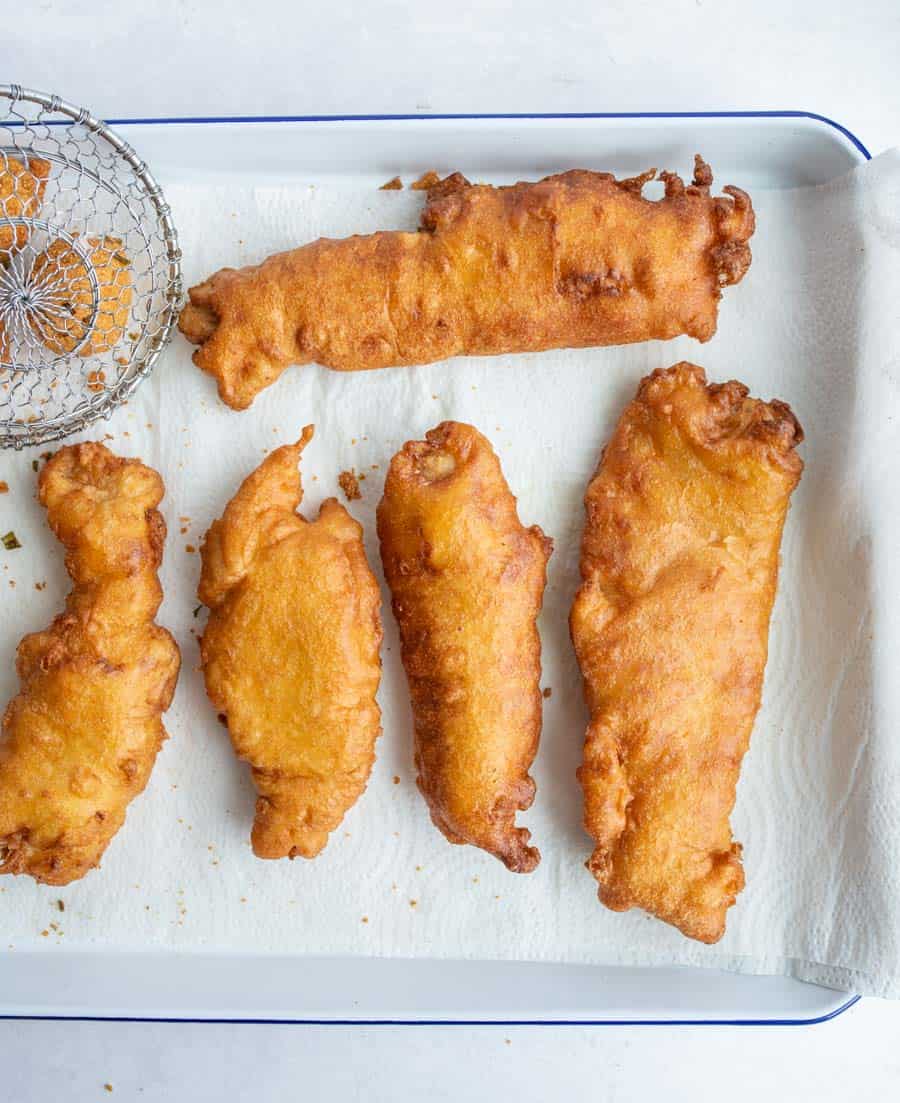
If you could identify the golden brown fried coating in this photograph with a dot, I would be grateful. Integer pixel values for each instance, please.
(467, 581)
(575, 260)
(64, 276)
(80, 738)
(291, 653)
(679, 565)
(23, 179)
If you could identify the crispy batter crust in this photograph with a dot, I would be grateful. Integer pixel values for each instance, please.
(679, 565)
(81, 736)
(575, 260)
(467, 581)
(291, 653)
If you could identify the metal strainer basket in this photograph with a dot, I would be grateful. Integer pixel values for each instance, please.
(90, 274)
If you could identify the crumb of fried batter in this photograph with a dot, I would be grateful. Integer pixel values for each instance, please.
(426, 180)
(349, 483)
(394, 184)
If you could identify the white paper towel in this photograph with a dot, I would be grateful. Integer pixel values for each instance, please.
(816, 323)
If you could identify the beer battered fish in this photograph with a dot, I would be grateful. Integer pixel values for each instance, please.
(467, 581)
(679, 564)
(291, 653)
(80, 738)
(574, 260)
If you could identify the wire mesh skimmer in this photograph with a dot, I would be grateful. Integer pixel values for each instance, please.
(90, 274)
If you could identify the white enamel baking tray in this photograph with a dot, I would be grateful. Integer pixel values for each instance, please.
(758, 149)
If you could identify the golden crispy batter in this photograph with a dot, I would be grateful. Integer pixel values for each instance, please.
(467, 581)
(62, 273)
(291, 653)
(577, 259)
(679, 565)
(22, 183)
(81, 737)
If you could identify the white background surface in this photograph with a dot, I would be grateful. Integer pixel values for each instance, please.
(230, 57)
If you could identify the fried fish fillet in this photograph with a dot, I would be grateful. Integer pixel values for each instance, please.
(575, 260)
(291, 653)
(23, 179)
(679, 565)
(467, 581)
(80, 738)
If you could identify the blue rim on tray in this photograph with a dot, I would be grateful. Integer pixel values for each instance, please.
(203, 119)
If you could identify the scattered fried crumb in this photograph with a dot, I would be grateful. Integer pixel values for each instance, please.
(45, 933)
(122, 361)
(413, 903)
(40, 585)
(396, 779)
(426, 180)
(243, 899)
(475, 880)
(548, 692)
(61, 905)
(190, 549)
(350, 485)
(365, 919)
(4, 487)
(394, 184)
(508, 1041)
(107, 1087)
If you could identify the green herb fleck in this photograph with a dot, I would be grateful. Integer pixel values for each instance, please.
(11, 541)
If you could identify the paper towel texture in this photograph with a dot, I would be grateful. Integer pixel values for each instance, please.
(816, 323)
